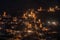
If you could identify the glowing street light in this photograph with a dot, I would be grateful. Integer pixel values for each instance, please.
(51, 10)
(57, 8)
(45, 29)
(29, 32)
(40, 9)
(49, 22)
(4, 14)
(54, 23)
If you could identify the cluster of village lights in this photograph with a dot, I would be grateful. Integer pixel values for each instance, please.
(32, 25)
(50, 9)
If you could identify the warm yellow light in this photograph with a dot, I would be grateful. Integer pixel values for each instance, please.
(24, 15)
(51, 9)
(41, 26)
(39, 21)
(30, 14)
(29, 31)
(4, 14)
(40, 9)
(36, 27)
(14, 19)
(29, 25)
(57, 8)
(54, 23)
(45, 29)
(7, 30)
(49, 22)
(16, 31)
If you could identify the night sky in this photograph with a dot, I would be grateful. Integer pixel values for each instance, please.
(13, 5)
